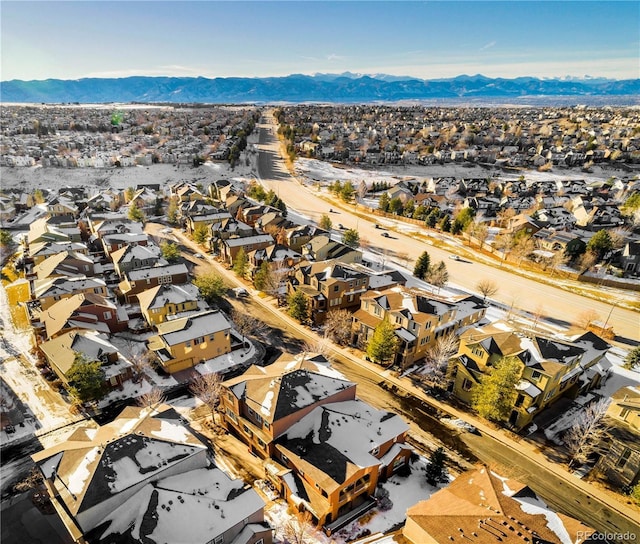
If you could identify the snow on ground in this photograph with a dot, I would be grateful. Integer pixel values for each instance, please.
(620, 377)
(228, 361)
(403, 493)
(325, 172)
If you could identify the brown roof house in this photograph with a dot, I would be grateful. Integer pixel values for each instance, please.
(146, 478)
(482, 507)
(62, 350)
(620, 457)
(325, 450)
(185, 342)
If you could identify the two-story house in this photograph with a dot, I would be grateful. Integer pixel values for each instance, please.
(138, 280)
(549, 368)
(51, 290)
(132, 257)
(230, 247)
(323, 248)
(185, 342)
(328, 285)
(620, 458)
(66, 263)
(62, 350)
(325, 450)
(419, 319)
(169, 301)
(145, 477)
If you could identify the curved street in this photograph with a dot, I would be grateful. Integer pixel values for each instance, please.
(557, 305)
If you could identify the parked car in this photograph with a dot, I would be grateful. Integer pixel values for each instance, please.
(240, 292)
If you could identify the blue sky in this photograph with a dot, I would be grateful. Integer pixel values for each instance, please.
(429, 40)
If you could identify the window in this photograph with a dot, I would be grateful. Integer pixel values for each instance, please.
(187, 344)
(106, 315)
(336, 288)
(624, 458)
(247, 431)
(466, 385)
(197, 341)
(519, 400)
(624, 413)
(535, 375)
(232, 415)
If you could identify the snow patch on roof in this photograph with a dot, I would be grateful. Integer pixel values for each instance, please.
(172, 432)
(266, 403)
(80, 474)
(535, 506)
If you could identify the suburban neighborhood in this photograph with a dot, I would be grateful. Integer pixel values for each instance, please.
(206, 358)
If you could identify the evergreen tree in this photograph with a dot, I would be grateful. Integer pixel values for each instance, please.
(632, 360)
(383, 344)
(172, 212)
(200, 234)
(211, 287)
(395, 206)
(86, 379)
(241, 263)
(351, 238)
(347, 191)
(421, 268)
(298, 306)
(136, 214)
(325, 222)
(383, 202)
(169, 251)
(262, 279)
(494, 397)
(436, 471)
(409, 209)
(600, 243)
(445, 223)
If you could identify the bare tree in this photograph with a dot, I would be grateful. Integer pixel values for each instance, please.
(557, 260)
(151, 398)
(537, 313)
(299, 529)
(437, 360)
(587, 431)
(207, 388)
(322, 347)
(247, 325)
(275, 280)
(362, 189)
(586, 317)
(487, 288)
(139, 358)
(338, 326)
(586, 261)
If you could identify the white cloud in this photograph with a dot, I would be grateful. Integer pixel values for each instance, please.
(488, 46)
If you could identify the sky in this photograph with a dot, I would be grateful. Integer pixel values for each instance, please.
(427, 40)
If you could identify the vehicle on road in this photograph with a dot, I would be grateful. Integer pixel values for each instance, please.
(340, 226)
(240, 292)
(166, 231)
(198, 255)
(385, 234)
(455, 257)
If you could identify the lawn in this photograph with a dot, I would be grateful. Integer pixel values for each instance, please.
(17, 292)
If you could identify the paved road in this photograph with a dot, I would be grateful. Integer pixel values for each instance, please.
(559, 305)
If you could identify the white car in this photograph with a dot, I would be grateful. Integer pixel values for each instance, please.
(166, 231)
(455, 257)
(198, 255)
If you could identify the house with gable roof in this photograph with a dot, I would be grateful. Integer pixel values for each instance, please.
(145, 478)
(50, 290)
(169, 301)
(183, 343)
(419, 319)
(62, 350)
(324, 449)
(484, 507)
(620, 457)
(549, 368)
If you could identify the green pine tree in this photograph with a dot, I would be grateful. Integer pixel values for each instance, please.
(298, 306)
(241, 263)
(494, 397)
(421, 268)
(383, 344)
(436, 471)
(86, 379)
(262, 279)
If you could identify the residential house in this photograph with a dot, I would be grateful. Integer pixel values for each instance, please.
(52, 289)
(114, 242)
(183, 343)
(484, 507)
(118, 224)
(138, 280)
(325, 450)
(230, 247)
(328, 285)
(66, 263)
(169, 301)
(131, 257)
(630, 258)
(40, 251)
(83, 311)
(323, 248)
(41, 230)
(195, 222)
(61, 206)
(620, 458)
(418, 317)
(146, 477)
(566, 242)
(94, 346)
(549, 369)
(298, 236)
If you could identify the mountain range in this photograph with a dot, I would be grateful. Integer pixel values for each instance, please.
(296, 88)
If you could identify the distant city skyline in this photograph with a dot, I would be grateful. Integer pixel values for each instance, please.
(427, 40)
